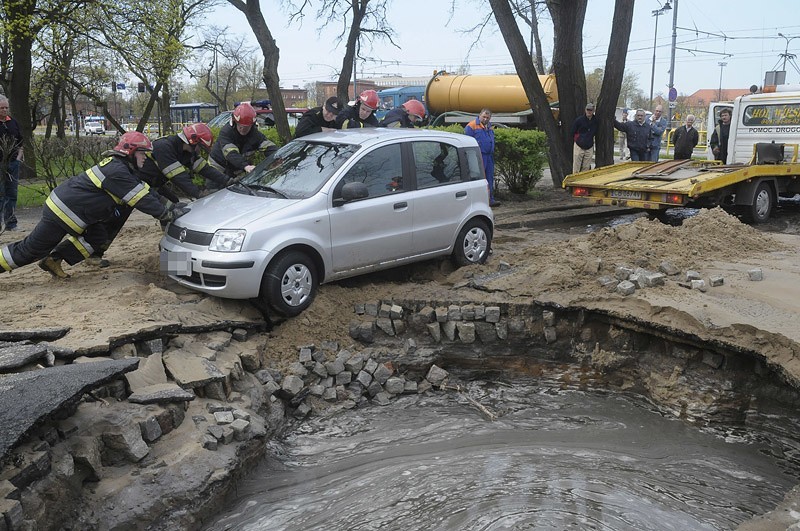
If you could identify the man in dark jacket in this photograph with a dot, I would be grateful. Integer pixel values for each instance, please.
(11, 154)
(79, 206)
(637, 134)
(237, 142)
(685, 139)
(319, 119)
(719, 138)
(583, 130)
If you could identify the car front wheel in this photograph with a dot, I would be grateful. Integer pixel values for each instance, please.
(290, 283)
(473, 243)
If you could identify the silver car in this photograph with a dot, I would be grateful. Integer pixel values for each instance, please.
(330, 206)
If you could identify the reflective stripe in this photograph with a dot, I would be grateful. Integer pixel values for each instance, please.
(97, 176)
(6, 262)
(64, 213)
(216, 165)
(136, 194)
(176, 168)
(199, 164)
(81, 245)
(265, 144)
(229, 148)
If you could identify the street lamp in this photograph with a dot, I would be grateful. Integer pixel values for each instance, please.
(656, 13)
(721, 65)
(786, 55)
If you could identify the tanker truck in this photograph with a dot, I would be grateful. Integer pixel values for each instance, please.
(458, 99)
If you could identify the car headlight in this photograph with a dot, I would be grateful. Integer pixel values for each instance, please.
(228, 241)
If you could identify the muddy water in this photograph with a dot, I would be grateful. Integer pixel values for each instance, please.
(555, 459)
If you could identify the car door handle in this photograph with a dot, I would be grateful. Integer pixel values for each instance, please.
(462, 193)
(400, 206)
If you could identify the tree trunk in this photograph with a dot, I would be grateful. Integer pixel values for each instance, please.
(537, 41)
(612, 81)
(271, 53)
(560, 161)
(19, 91)
(359, 8)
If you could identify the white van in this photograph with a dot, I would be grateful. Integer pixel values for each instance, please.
(766, 117)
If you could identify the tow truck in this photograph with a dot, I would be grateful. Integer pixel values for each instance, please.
(763, 165)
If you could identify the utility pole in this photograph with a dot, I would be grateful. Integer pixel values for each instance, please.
(721, 65)
(656, 13)
(672, 56)
(786, 55)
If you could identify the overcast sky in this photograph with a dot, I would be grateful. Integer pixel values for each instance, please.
(741, 33)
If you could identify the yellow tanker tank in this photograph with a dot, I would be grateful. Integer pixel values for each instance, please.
(468, 93)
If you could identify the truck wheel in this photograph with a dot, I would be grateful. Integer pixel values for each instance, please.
(472, 244)
(290, 283)
(761, 207)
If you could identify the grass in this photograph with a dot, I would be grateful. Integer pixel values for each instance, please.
(32, 195)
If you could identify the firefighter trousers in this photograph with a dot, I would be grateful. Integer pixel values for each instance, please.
(74, 250)
(47, 234)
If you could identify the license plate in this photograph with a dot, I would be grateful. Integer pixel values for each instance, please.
(178, 263)
(625, 194)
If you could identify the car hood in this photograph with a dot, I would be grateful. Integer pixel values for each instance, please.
(230, 210)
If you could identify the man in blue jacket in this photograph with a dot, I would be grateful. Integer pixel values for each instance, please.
(637, 134)
(481, 130)
(583, 130)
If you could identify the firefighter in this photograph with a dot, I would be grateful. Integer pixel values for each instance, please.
(173, 159)
(237, 142)
(79, 206)
(319, 119)
(361, 113)
(409, 114)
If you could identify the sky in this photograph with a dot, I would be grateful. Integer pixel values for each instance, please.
(742, 34)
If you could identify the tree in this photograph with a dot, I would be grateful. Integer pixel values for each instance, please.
(271, 53)
(22, 20)
(568, 17)
(368, 21)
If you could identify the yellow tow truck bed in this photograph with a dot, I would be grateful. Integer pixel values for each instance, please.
(665, 184)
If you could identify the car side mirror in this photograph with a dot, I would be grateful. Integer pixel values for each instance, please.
(351, 192)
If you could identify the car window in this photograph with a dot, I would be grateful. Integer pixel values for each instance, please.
(381, 170)
(473, 156)
(436, 163)
(298, 169)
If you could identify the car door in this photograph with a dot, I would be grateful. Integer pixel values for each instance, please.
(443, 197)
(375, 229)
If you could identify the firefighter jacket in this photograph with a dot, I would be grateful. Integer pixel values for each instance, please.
(170, 162)
(312, 122)
(93, 196)
(349, 118)
(397, 117)
(231, 149)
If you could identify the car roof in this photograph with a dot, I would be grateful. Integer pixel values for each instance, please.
(367, 136)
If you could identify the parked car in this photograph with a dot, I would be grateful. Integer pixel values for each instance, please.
(330, 206)
(94, 125)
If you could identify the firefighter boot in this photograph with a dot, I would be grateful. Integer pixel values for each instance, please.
(97, 261)
(53, 266)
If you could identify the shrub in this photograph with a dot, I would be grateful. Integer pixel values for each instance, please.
(520, 157)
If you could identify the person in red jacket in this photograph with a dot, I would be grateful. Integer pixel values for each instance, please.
(79, 206)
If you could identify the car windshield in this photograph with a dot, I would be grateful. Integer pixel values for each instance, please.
(298, 169)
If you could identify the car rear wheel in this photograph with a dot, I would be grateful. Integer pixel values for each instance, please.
(473, 243)
(290, 283)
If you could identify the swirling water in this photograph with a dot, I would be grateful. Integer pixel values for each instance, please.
(554, 459)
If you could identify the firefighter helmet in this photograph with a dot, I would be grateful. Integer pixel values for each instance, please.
(132, 141)
(415, 107)
(369, 98)
(197, 134)
(244, 114)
